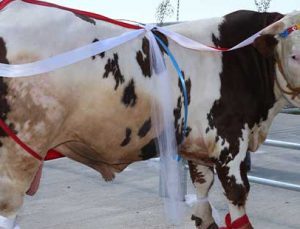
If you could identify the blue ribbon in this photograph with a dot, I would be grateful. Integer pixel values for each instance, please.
(284, 34)
(182, 82)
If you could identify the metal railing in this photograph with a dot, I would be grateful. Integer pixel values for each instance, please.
(281, 144)
(274, 183)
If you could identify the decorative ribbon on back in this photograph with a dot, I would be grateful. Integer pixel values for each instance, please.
(82, 53)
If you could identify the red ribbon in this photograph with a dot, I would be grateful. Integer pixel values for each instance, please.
(4, 3)
(238, 223)
(52, 154)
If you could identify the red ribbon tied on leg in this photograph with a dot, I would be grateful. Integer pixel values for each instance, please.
(237, 224)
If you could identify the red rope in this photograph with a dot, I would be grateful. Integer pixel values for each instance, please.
(11, 134)
(84, 13)
(4, 3)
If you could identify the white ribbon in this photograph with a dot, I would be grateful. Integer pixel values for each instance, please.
(67, 58)
(82, 53)
(194, 45)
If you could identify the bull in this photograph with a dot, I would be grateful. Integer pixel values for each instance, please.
(98, 112)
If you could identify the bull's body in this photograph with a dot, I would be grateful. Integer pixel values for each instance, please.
(98, 111)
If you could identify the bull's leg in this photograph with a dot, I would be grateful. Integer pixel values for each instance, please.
(202, 178)
(17, 170)
(233, 176)
(10, 201)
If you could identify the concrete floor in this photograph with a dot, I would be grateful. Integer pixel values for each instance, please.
(74, 196)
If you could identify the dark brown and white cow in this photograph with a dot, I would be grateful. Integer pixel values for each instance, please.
(98, 112)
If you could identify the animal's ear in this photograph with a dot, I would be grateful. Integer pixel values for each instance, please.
(266, 44)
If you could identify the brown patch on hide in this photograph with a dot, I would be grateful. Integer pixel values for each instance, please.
(102, 54)
(143, 55)
(198, 220)
(178, 119)
(247, 79)
(112, 67)
(145, 128)
(149, 151)
(236, 193)
(143, 58)
(4, 106)
(127, 137)
(129, 97)
(197, 177)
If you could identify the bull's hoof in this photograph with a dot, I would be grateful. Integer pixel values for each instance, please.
(199, 223)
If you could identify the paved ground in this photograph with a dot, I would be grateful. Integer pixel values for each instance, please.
(74, 196)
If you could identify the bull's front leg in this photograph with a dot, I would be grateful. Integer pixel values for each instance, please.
(17, 170)
(202, 178)
(232, 172)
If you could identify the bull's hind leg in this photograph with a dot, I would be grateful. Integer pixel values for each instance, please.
(202, 178)
(233, 176)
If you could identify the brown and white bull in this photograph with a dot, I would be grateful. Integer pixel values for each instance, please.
(98, 112)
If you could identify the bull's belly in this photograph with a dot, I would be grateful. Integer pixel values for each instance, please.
(104, 128)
